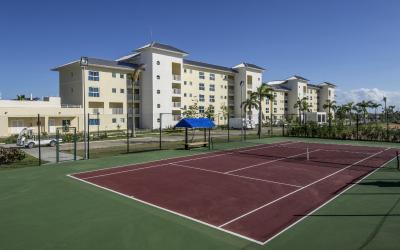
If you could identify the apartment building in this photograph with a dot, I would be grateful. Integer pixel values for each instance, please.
(155, 83)
(288, 92)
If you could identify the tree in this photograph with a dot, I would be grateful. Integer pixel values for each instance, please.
(348, 108)
(224, 111)
(264, 91)
(375, 106)
(191, 111)
(302, 106)
(209, 113)
(21, 97)
(330, 105)
(363, 107)
(341, 112)
(249, 104)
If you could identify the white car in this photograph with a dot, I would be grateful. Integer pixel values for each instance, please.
(26, 138)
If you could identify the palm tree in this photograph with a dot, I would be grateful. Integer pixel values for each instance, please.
(249, 104)
(264, 91)
(363, 107)
(302, 106)
(348, 109)
(341, 112)
(375, 106)
(330, 105)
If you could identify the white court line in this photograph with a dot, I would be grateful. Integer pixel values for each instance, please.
(170, 211)
(325, 203)
(334, 150)
(266, 162)
(298, 190)
(240, 176)
(186, 160)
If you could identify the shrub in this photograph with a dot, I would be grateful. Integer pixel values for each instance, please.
(10, 155)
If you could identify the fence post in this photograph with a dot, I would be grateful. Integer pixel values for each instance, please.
(40, 152)
(88, 136)
(209, 139)
(57, 145)
(160, 139)
(283, 129)
(357, 126)
(228, 126)
(127, 132)
(75, 139)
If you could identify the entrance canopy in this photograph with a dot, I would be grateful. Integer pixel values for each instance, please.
(195, 123)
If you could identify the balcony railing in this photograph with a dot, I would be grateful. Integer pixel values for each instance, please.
(176, 91)
(176, 77)
(70, 106)
(176, 104)
(176, 117)
(117, 111)
(95, 111)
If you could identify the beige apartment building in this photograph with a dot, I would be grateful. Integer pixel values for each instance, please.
(153, 84)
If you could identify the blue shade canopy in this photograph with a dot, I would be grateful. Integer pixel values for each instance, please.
(195, 123)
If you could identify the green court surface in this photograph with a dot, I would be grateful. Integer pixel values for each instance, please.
(42, 208)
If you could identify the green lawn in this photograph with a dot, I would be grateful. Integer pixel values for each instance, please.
(42, 208)
(29, 161)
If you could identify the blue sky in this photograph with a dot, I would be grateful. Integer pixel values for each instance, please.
(355, 44)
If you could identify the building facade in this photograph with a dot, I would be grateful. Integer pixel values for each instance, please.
(156, 83)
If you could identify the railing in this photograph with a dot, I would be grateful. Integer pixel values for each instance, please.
(70, 106)
(176, 77)
(176, 104)
(95, 111)
(117, 111)
(176, 91)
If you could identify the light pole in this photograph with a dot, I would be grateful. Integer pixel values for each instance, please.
(98, 125)
(241, 108)
(84, 63)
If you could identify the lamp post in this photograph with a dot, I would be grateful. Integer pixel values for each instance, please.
(84, 62)
(98, 125)
(241, 109)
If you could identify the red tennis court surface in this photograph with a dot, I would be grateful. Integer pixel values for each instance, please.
(254, 193)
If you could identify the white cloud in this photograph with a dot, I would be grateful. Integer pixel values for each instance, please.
(374, 94)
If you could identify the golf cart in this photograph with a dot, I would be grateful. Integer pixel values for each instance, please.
(28, 139)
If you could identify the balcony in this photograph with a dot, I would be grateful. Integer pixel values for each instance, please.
(176, 91)
(176, 104)
(176, 77)
(250, 86)
(117, 111)
(95, 111)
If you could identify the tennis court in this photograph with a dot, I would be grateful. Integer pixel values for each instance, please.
(254, 193)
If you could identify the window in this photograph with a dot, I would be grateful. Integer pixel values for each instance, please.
(93, 76)
(114, 120)
(122, 120)
(114, 75)
(190, 95)
(184, 70)
(190, 83)
(121, 76)
(158, 62)
(267, 110)
(158, 105)
(211, 109)
(201, 86)
(212, 87)
(201, 75)
(212, 77)
(66, 123)
(158, 77)
(275, 103)
(275, 110)
(267, 101)
(201, 98)
(184, 82)
(201, 109)
(122, 91)
(114, 90)
(94, 121)
(212, 98)
(94, 92)
(329, 92)
(158, 91)
(184, 94)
